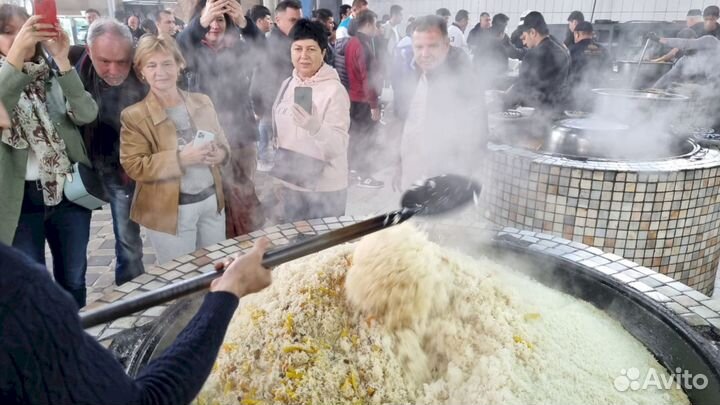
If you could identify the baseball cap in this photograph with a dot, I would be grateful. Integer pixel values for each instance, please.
(523, 15)
(534, 20)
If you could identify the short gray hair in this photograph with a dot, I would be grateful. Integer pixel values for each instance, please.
(431, 22)
(107, 25)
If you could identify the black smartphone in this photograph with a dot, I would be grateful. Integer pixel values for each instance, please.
(303, 98)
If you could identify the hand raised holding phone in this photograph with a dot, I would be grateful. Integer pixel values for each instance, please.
(47, 10)
(213, 9)
(23, 46)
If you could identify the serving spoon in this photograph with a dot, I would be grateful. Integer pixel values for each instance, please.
(436, 196)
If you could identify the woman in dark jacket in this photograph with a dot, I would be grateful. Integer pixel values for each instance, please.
(220, 63)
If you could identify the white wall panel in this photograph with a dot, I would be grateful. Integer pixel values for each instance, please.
(555, 11)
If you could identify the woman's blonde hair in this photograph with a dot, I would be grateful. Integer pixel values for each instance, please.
(150, 44)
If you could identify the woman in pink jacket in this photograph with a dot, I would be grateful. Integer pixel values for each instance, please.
(311, 116)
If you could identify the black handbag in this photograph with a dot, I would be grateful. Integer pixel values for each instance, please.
(297, 168)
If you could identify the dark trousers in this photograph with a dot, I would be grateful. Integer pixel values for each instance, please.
(298, 205)
(362, 139)
(66, 227)
(128, 244)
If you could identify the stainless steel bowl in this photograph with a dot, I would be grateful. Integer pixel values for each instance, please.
(644, 73)
(584, 137)
(642, 110)
(640, 95)
(601, 139)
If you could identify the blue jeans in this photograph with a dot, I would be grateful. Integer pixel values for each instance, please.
(264, 141)
(66, 227)
(128, 244)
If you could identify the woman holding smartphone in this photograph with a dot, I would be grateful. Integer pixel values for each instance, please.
(312, 118)
(46, 101)
(172, 145)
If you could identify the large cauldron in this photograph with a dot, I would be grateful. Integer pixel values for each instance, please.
(642, 110)
(602, 139)
(665, 334)
(644, 74)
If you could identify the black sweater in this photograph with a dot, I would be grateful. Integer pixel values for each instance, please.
(542, 82)
(47, 358)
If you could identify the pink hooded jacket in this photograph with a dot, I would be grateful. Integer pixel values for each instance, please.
(331, 105)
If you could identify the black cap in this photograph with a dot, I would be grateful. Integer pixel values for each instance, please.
(584, 26)
(577, 16)
(695, 12)
(711, 11)
(534, 20)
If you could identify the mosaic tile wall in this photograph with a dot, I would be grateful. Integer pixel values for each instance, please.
(663, 215)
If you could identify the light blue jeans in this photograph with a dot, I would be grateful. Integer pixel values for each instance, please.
(265, 142)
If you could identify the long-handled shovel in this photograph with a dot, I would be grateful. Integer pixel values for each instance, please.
(437, 195)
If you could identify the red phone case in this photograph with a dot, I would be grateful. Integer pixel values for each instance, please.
(48, 10)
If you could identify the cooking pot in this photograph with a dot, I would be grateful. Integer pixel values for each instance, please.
(649, 72)
(600, 139)
(641, 109)
(671, 340)
(584, 137)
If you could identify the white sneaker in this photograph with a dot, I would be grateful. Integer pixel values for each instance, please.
(264, 166)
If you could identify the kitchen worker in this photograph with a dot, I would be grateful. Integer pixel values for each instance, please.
(542, 82)
(589, 63)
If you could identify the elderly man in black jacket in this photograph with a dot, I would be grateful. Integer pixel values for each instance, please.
(220, 63)
(443, 109)
(106, 71)
(542, 82)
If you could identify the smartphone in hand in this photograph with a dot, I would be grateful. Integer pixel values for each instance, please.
(203, 138)
(303, 98)
(47, 9)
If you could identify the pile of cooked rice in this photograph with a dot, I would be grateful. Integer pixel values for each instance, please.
(398, 319)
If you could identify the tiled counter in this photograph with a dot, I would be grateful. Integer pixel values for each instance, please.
(664, 215)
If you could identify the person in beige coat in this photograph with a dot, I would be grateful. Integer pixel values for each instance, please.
(178, 194)
(320, 135)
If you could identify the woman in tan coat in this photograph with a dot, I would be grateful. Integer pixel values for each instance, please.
(172, 145)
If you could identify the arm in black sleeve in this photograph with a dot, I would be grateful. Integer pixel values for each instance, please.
(511, 51)
(179, 374)
(192, 35)
(251, 31)
(48, 358)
